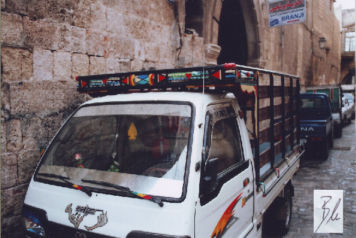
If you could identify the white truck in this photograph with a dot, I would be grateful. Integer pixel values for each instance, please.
(192, 152)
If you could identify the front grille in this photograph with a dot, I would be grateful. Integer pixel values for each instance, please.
(55, 230)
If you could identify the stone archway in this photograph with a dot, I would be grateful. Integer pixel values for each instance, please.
(212, 16)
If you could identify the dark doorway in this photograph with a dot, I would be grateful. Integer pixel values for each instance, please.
(232, 34)
(348, 78)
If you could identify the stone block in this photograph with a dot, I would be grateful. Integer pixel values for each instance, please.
(109, 44)
(8, 176)
(41, 33)
(10, 60)
(62, 68)
(139, 50)
(81, 14)
(14, 135)
(5, 102)
(136, 64)
(71, 38)
(3, 140)
(33, 133)
(8, 159)
(120, 47)
(97, 16)
(116, 65)
(61, 11)
(17, 64)
(138, 28)
(122, 7)
(152, 52)
(37, 9)
(11, 29)
(115, 21)
(15, 6)
(27, 162)
(65, 37)
(167, 13)
(12, 200)
(166, 53)
(26, 64)
(78, 39)
(96, 43)
(42, 64)
(97, 65)
(80, 65)
(42, 97)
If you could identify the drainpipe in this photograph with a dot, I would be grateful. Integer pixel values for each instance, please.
(173, 3)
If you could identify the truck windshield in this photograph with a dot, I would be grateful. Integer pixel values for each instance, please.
(314, 108)
(139, 146)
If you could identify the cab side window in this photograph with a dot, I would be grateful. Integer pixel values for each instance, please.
(225, 144)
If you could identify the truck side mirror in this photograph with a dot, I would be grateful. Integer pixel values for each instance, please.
(210, 175)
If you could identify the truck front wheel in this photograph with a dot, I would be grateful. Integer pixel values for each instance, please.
(278, 217)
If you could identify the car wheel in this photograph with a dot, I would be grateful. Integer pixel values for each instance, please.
(325, 150)
(278, 218)
(331, 140)
(338, 133)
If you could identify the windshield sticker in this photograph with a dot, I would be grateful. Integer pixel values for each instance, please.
(132, 132)
(79, 160)
(225, 218)
(81, 212)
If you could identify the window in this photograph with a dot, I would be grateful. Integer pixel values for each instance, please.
(225, 144)
(143, 147)
(194, 16)
(350, 41)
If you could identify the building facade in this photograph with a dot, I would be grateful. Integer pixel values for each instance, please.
(46, 43)
(348, 46)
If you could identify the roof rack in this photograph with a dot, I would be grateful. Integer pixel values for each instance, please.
(186, 79)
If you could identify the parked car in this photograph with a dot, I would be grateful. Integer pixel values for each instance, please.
(347, 110)
(351, 100)
(162, 158)
(335, 95)
(316, 123)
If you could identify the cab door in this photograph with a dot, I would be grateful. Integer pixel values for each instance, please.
(225, 206)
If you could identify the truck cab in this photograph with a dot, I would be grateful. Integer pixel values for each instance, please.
(316, 122)
(160, 163)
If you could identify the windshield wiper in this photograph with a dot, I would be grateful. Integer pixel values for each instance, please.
(65, 179)
(126, 190)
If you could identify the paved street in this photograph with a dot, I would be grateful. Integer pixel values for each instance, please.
(338, 172)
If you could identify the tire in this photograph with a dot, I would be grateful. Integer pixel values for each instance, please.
(325, 150)
(277, 219)
(338, 133)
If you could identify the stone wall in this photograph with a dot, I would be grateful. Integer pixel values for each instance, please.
(294, 48)
(46, 43)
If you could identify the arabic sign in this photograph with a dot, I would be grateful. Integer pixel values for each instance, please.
(284, 12)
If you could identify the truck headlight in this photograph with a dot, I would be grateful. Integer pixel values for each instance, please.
(33, 225)
(141, 234)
